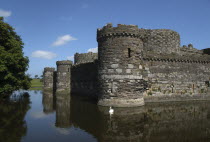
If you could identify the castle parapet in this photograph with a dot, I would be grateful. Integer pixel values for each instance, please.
(190, 50)
(85, 57)
(121, 30)
(49, 69)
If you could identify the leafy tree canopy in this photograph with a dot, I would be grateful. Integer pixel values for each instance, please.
(13, 63)
(36, 76)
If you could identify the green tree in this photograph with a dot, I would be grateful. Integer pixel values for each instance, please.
(36, 76)
(41, 78)
(13, 63)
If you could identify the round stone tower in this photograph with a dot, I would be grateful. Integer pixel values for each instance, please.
(48, 76)
(162, 41)
(120, 69)
(63, 83)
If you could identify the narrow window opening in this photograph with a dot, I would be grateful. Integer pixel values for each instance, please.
(129, 52)
(68, 69)
(207, 83)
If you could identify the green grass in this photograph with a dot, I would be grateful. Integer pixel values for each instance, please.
(36, 84)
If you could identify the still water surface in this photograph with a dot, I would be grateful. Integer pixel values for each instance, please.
(40, 118)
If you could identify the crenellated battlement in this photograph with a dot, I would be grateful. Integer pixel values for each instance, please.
(49, 69)
(177, 60)
(190, 49)
(65, 62)
(119, 31)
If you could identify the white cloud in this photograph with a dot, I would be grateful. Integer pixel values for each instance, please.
(43, 54)
(63, 40)
(94, 50)
(70, 58)
(4, 13)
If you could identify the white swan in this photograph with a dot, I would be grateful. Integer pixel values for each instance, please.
(111, 111)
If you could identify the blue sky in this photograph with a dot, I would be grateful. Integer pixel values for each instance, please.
(56, 29)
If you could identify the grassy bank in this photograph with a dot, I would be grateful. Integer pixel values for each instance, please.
(36, 84)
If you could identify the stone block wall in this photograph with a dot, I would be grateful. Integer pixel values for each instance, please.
(206, 51)
(63, 83)
(84, 79)
(85, 57)
(161, 41)
(190, 50)
(119, 71)
(48, 76)
(177, 77)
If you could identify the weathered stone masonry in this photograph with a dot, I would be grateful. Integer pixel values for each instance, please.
(133, 65)
(85, 58)
(48, 76)
(120, 78)
(63, 77)
(84, 74)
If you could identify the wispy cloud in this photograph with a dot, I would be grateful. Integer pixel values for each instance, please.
(94, 50)
(4, 13)
(43, 54)
(70, 58)
(63, 40)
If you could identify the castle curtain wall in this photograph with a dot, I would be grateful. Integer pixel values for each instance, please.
(177, 77)
(84, 75)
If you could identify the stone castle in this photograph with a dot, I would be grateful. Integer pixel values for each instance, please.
(134, 66)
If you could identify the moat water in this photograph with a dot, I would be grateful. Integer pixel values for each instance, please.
(40, 118)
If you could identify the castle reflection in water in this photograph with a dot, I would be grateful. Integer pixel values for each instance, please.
(154, 122)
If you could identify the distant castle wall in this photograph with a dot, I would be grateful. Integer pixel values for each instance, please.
(190, 50)
(84, 74)
(84, 79)
(85, 57)
(206, 51)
